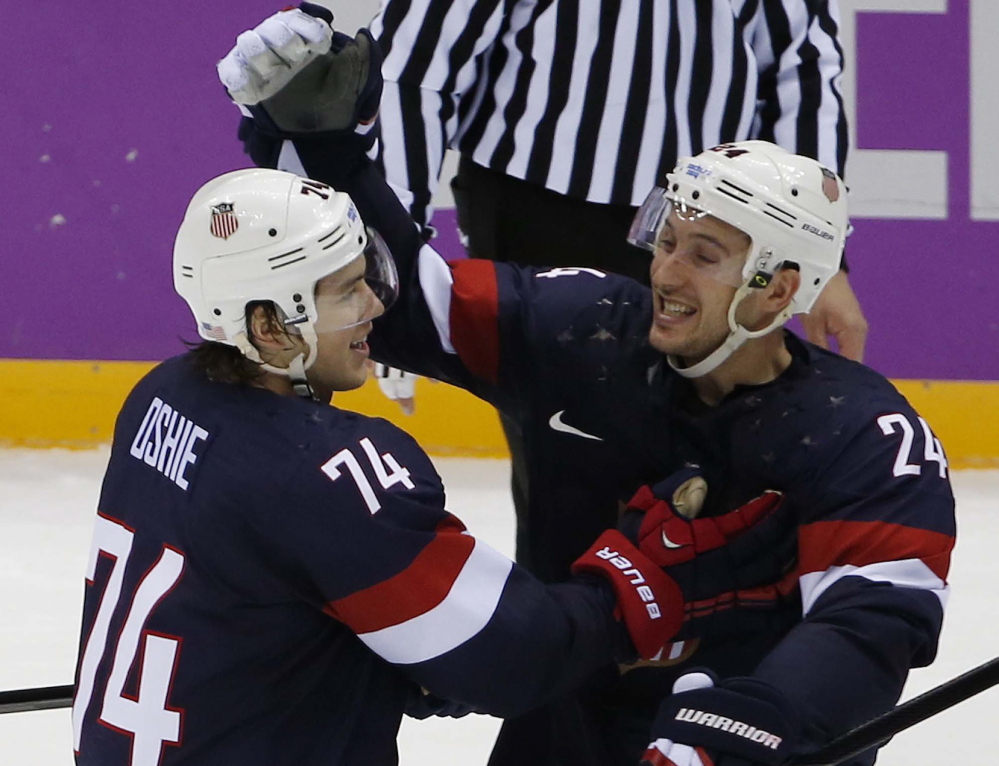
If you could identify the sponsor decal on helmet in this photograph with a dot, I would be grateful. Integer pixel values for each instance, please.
(697, 171)
(816, 231)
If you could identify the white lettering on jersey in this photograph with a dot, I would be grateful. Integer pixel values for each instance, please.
(932, 450)
(569, 272)
(165, 441)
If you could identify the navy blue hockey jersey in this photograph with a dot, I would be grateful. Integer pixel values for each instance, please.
(271, 579)
(564, 353)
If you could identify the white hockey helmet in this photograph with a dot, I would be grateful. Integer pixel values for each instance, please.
(268, 235)
(792, 208)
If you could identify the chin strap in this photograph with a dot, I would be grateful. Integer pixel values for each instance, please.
(296, 369)
(736, 337)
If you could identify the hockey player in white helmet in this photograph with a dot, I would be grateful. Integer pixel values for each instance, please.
(281, 575)
(744, 236)
(255, 236)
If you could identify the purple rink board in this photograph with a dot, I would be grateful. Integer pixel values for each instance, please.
(114, 117)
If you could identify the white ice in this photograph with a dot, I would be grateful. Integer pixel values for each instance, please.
(47, 502)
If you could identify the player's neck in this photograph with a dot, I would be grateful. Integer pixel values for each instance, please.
(757, 361)
(282, 386)
(278, 384)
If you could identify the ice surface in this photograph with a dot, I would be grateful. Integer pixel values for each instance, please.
(47, 502)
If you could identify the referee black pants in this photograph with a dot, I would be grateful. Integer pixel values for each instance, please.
(506, 219)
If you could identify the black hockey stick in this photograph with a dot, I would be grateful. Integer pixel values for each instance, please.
(864, 737)
(884, 727)
(42, 698)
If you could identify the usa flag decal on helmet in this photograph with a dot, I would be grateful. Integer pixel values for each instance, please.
(224, 222)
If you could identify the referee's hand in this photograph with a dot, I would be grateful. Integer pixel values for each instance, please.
(837, 316)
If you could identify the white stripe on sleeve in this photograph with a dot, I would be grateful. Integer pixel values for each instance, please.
(466, 610)
(436, 280)
(906, 573)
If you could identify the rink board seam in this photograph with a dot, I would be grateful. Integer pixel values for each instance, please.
(73, 404)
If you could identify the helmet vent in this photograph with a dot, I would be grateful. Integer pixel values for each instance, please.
(280, 261)
(778, 218)
(781, 215)
(187, 271)
(740, 190)
(341, 231)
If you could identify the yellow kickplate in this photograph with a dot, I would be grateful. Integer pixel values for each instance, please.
(74, 403)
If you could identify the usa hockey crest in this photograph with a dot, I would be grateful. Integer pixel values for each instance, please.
(224, 222)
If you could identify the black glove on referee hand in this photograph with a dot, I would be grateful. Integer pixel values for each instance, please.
(298, 79)
(738, 722)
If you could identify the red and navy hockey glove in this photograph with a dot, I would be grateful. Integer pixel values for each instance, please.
(707, 561)
(649, 601)
(666, 517)
(732, 568)
(738, 722)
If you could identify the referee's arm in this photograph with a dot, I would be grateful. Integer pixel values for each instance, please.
(800, 106)
(430, 49)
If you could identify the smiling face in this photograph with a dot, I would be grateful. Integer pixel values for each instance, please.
(695, 273)
(346, 306)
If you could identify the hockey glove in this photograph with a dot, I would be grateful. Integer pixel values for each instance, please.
(734, 569)
(649, 601)
(662, 521)
(709, 562)
(295, 78)
(738, 722)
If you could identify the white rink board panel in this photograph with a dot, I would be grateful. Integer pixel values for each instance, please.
(47, 502)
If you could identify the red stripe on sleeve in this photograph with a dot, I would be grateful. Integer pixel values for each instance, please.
(475, 316)
(415, 590)
(825, 544)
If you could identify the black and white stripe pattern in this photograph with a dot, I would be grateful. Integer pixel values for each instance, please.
(597, 98)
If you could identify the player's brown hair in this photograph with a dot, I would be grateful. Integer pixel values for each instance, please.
(223, 363)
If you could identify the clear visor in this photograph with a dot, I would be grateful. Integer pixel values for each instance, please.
(692, 237)
(360, 291)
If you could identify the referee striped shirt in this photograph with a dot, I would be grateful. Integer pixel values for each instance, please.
(596, 99)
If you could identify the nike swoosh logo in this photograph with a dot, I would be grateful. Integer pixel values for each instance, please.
(557, 425)
(669, 543)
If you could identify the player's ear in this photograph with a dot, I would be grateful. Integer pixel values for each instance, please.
(267, 332)
(782, 289)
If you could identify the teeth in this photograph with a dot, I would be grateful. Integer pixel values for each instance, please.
(678, 309)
